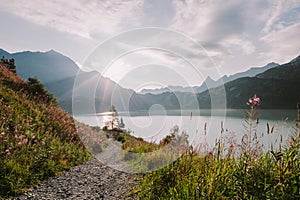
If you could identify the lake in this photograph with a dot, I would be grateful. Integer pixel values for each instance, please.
(203, 126)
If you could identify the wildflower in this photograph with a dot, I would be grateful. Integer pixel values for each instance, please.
(250, 101)
(256, 100)
(25, 141)
(233, 144)
(253, 101)
(2, 134)
(7, 152)
(22, 137)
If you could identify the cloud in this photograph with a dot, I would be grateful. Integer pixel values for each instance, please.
(282, 44)
(157, 13)
(87, 19)
(237, 28)
(235, 34)
(208, 21)
(274, 14)
(241, 43)
(224, 29)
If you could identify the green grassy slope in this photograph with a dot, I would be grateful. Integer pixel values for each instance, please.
(37, 138)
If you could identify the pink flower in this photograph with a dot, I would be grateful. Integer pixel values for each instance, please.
(233, 143)
(254, 101)
(250, 102)
(7, 152)
(22, 136)
(25, 141)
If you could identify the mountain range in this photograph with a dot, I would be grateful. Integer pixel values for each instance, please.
(210, 83)
(46, 66)
(89, 92)
(59, 74)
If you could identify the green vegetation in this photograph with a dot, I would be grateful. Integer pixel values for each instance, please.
(196, 176)
(133, 144)
(229, 170)
(37, 139)
(35, 87)
(143, 156)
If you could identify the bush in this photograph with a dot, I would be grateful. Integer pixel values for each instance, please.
(120, 138)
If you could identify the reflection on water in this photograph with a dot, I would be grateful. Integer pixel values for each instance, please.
(156, 126)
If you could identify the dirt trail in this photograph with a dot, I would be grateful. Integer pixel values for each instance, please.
(91, 180)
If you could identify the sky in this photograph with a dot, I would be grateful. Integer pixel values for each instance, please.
(153, 43)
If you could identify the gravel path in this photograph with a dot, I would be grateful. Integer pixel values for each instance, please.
(112, 156)
(91, 180)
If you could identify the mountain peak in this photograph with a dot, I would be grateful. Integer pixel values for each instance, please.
(208, 78)
(3, 52)
(296, 59)
(225, 77)
(52, 52)
(271, 64)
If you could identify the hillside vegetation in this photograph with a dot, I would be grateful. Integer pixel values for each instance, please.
(230, 169)
(37, 138)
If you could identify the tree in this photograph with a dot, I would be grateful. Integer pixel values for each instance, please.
(122, 125)
(35, 87)
(113, 120)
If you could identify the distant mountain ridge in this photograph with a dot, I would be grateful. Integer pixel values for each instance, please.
(59, 73)
(89, 92)
(210, 83)
(278, 88)
(169, 88)
(46, 66)
(289, 70)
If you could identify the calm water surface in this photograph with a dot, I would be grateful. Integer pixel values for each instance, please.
(203, 126)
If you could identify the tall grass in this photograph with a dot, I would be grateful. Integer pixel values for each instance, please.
(230, 170)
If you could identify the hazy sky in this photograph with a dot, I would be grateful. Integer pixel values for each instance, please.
(235, 34)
